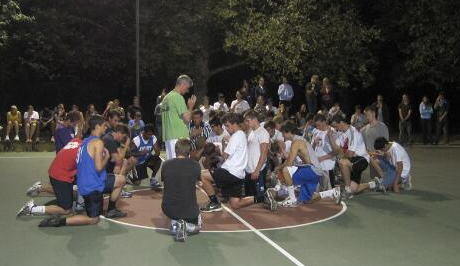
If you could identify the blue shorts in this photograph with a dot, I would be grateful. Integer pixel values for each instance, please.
(307, 179)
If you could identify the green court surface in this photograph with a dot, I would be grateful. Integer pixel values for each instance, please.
(419, 227)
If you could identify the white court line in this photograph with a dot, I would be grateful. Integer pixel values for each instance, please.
(264, 237)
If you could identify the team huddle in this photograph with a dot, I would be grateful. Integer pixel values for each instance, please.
(236, 158)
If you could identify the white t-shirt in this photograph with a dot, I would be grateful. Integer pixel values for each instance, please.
(34, 115)
(398, 154)
(274, 109)
(237, 150)
(217, 139)
(206, 112)
(217, 107)
(255, 138)
(323, 147)
(278, 136)
(240, 107)
(352, 140)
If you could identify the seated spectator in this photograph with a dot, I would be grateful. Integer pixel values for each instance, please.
(270, 107)
(260, 106)
(220, 105)
(301, 115)
(59, 115)
(206, 108)
(198, 128)
(31, 119)
(46, 122)
(239, 105)
(179, 204)
(116, 106)
(307, 131)
(13, 120)
(134, 108)
(335, 110)
(136, 125)
(358, 119)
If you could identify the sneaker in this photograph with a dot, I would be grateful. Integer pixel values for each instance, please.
(155, 185)
(180, 232)
(270, 197)
(131, 176)
(80, 207)
(407, 184)
(288, 203)
(16, 138)
(337, 195)
(126, 194)
(115, 213)
(379, 185)
(34, 190)
(7, 138)
(26, 209)
(52, 139)
(52, 221)
(347, 195)
(212, 207)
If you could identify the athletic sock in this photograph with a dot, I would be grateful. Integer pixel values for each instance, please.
(38, 210)
(111, 205)
(327, 194)
(214, 199)
(371, 185)
(291, 192)
(63, 222)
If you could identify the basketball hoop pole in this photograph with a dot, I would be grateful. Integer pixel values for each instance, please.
(138, 89)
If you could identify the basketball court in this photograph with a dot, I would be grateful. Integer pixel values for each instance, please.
(419, 227)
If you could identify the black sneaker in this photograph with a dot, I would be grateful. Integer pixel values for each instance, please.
(212, 207)
(115, 213)
(52, 221)
(180, 233)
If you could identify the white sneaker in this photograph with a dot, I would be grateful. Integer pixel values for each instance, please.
(379, 185)
(7, 138)
(16, 138)
(34, 190)
(407, 184)
(337, 195)
(288, 203)
(26, 209)
(52, 139)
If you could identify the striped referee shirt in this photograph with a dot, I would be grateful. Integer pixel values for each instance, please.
(205, 133)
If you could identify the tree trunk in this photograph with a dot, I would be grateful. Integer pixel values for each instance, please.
(201, 77)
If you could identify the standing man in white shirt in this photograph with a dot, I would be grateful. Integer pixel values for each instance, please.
(285, 93)
(256, 169)
(31, 118)
(229, 178)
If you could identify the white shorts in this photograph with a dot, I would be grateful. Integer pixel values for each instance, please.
(170, 149)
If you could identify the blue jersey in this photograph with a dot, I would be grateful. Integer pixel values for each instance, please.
(144, 145)
(88, 178)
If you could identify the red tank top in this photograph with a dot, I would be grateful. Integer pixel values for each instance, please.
(64, 165)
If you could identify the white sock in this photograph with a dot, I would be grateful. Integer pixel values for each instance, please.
(291, 192)
(371, 185)
(327, 194)
(348, 189)
(38, 210)
(80, 199)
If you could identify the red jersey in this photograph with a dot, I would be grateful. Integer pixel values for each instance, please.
(64, 165)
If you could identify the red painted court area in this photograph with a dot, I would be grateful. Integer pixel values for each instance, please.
(144, 210)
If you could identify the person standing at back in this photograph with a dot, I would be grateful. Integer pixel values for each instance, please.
(176, 115)
(405, 119)
(285, 93)
(442, 123)
(426, 111)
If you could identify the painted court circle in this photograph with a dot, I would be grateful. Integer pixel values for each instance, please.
(144, 211)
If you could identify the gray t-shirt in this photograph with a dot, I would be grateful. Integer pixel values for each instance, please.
(370, 133)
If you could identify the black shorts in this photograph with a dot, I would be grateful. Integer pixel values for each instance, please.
(95, 200)
(63, 192)
(230, 185)
(358, 165)
(152, 162)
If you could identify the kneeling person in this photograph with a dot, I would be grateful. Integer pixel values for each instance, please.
(307, 176)
(179, 204)
(93, 180)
